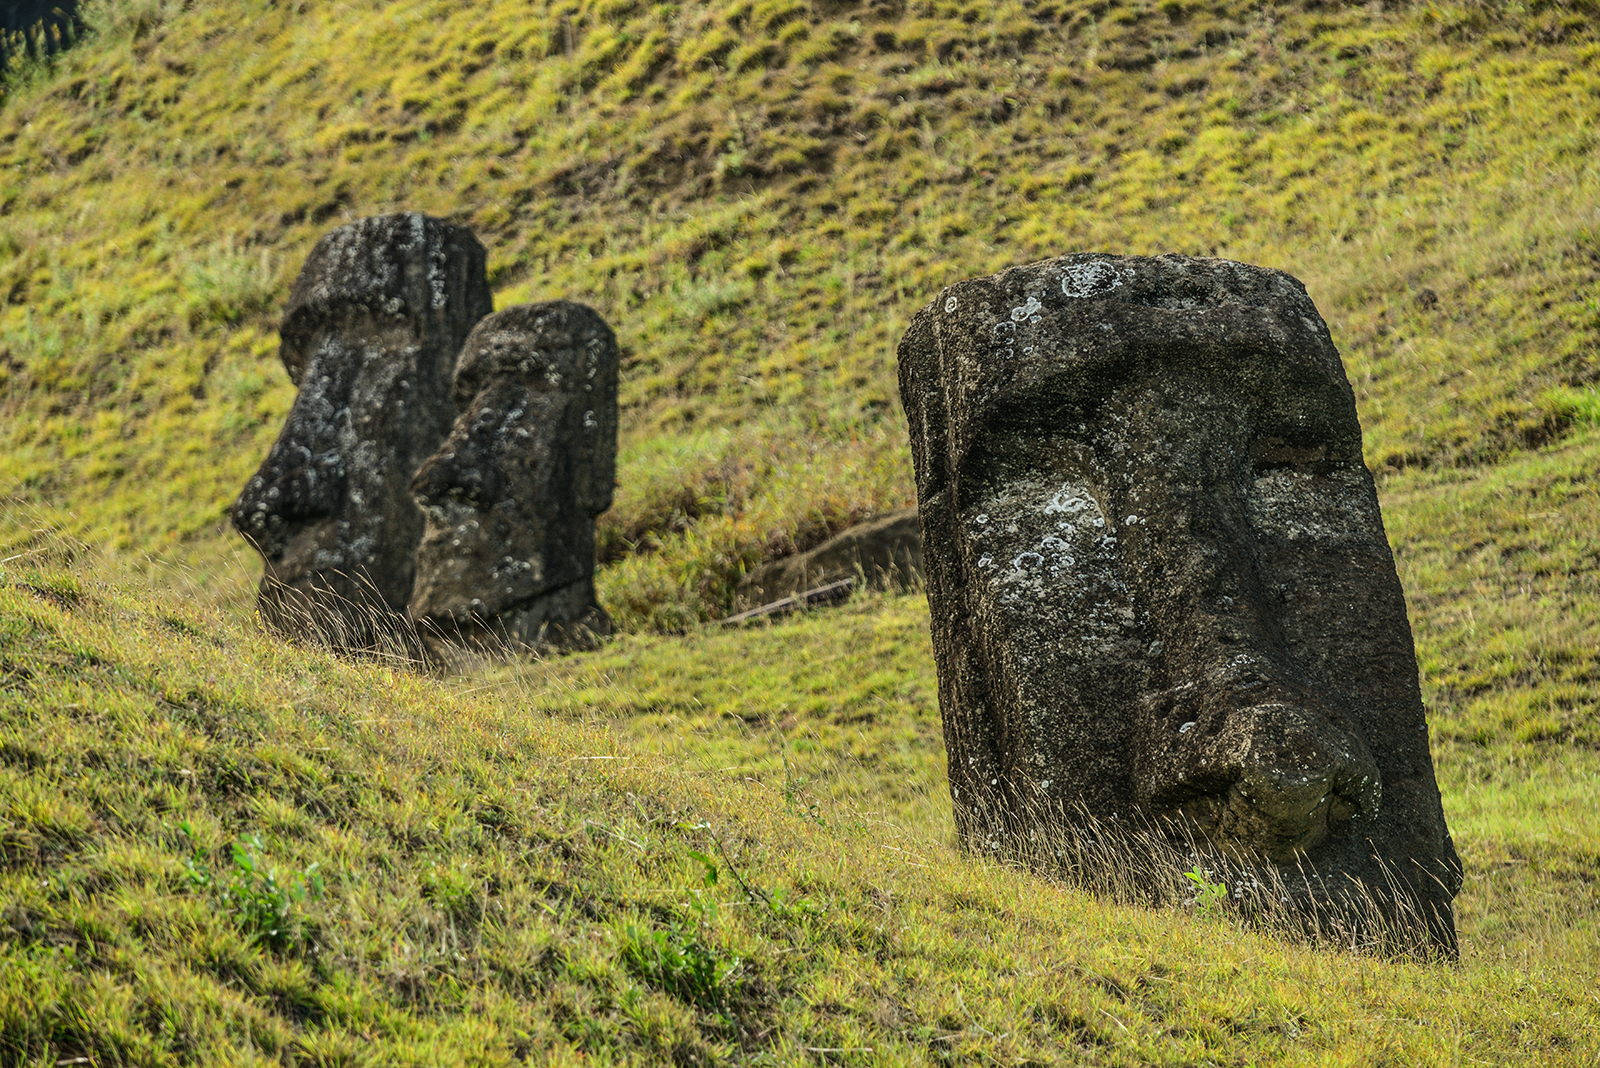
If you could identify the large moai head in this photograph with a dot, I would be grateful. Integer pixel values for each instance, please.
(1161, 591)
(374, 323)
(507, 560)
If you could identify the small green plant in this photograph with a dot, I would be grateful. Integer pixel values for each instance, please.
(451, 888)
(794, 795)
(710, 866)
(677, 959)
(262, 902)
(1208, 896)
(785, 907)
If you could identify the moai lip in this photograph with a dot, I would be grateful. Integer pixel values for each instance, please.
(374, 323)
(1160, 585)
(510, 498)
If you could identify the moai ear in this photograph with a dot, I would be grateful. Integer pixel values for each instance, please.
(595, 439)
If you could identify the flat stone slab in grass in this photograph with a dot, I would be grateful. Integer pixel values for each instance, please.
(884, 553)
(374, 323)
(507, 559)
(1159, 580)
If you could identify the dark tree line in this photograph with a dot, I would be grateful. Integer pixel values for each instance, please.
(30, 26)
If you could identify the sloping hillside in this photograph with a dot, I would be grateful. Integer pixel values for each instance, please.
(700, 846)
(218, 849)
(758, 196)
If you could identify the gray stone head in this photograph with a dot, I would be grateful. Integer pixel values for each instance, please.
(1160, 584)
(374, 323)
(507, 559)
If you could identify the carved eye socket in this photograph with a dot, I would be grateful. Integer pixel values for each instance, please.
(1273, 453)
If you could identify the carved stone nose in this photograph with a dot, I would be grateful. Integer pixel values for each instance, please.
(1302, 778)
(297, 482)
(460, 472)
(1255, 761)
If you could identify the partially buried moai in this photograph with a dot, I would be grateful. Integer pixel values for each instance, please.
(374, 323)
(1160, 586)
(507, 561)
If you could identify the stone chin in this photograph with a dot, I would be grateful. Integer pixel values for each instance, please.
(470, 593)
(466, 565)
(486, 580)
(457, 632)
(323, 579)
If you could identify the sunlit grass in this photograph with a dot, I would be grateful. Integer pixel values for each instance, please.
(758, 200)
(527, 864)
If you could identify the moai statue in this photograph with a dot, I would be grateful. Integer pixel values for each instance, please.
(507, 561)
(374, 323)
(1160, 586)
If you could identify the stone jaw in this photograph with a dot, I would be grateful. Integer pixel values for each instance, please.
(567, 619)
(1131, 473)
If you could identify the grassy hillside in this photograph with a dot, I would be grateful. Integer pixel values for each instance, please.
(758, 196)
(220, 849)
(702, 846)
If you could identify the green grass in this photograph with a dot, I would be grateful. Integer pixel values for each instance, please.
(709, 846)
(1500, 565)
(220, 848)
(758, 196)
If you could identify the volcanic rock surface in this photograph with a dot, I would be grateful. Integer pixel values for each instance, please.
(1161, 591)
(883, 553)
(374, 323)
(507, 560)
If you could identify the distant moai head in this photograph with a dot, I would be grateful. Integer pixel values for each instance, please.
(374, 323)
(1160, 585)
(511, 496)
